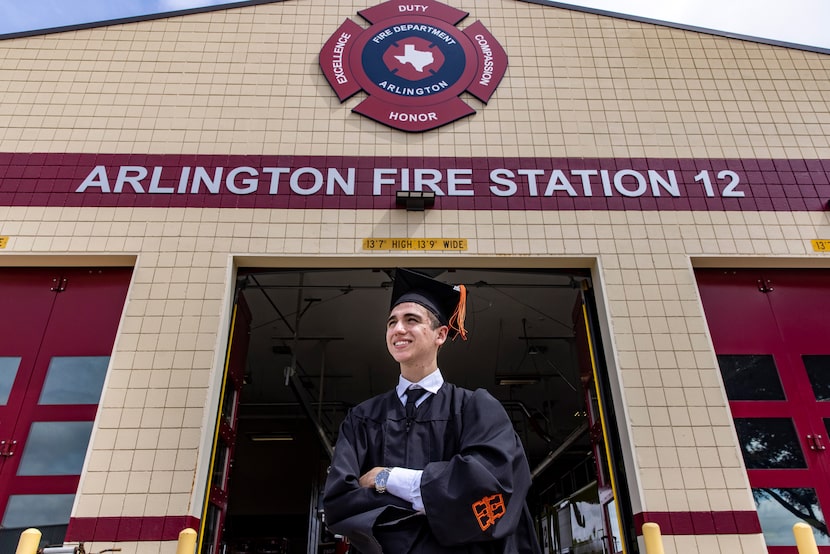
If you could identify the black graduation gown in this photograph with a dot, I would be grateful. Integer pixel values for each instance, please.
(474, 483)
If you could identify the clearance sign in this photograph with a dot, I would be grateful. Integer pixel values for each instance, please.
(330, 182)
(413, 63)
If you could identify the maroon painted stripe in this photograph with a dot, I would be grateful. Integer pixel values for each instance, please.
(49, 179)
(701, 523)
(167, 528)
(129, 529)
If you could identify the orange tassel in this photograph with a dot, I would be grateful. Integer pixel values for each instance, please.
(457, 319)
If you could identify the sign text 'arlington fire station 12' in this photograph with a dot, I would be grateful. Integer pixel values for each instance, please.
(413, 62)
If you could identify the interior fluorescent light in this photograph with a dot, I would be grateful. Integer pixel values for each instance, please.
(271, 437)
(507, 380)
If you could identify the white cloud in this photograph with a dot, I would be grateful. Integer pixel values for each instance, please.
(795, 21)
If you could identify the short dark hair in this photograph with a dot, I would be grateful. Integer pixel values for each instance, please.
(434, 323)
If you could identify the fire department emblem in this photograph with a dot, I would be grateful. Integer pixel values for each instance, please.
(413, 62)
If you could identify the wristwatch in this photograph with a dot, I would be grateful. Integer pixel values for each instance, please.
(381, 478)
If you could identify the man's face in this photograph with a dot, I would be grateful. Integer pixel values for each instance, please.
(410, 337)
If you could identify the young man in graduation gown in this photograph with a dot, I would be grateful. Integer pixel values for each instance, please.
(429, 467)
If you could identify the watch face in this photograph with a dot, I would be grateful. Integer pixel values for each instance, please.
(380, 480)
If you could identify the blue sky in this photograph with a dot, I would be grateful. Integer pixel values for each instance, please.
(794, 21)
(28, 15)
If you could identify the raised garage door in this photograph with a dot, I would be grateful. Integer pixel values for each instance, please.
(771, 332)
(57, 328)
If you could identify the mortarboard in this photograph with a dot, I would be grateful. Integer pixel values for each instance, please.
(447, 302)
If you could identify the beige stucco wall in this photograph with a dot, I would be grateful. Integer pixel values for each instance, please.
(246, 81)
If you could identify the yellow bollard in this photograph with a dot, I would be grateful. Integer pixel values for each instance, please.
(654, 541)
(29, 541)
(804, 539)
(187, 542)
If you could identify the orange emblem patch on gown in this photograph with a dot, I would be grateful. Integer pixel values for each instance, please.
(488, 510)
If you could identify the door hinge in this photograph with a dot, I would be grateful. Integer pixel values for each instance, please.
(765, 285)
(59, 284)
(815, 443)
(7, 448)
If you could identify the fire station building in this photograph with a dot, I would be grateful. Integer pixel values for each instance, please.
(201, 214)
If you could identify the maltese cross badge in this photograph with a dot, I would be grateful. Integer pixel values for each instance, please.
(413, 63)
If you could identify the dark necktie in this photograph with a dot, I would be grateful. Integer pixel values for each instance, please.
(412, 396)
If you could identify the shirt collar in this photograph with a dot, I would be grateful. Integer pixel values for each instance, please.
(431, 383)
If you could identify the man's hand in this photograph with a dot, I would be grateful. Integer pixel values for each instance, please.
(368, 478)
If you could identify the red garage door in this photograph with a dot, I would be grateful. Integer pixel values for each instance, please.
(57, 328)
(771, 332)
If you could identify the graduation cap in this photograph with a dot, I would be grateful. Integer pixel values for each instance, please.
(446, 302)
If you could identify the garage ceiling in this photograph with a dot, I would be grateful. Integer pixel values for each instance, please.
(330, 325)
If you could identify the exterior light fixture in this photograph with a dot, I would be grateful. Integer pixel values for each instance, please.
(415, 201)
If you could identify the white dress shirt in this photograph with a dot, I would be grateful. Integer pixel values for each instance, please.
(403, 482)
